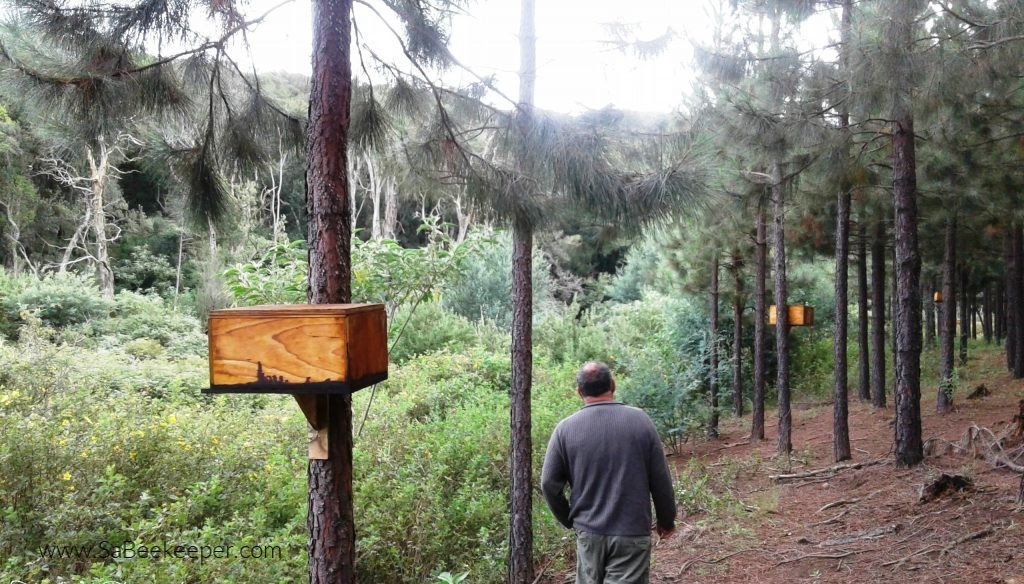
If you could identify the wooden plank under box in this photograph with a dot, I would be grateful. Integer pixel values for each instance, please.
(297, 348)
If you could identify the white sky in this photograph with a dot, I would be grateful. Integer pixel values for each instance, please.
(576, 69)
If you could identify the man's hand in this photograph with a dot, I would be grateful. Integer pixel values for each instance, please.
(664, 533)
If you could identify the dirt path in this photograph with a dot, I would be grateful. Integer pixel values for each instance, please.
(862, 525)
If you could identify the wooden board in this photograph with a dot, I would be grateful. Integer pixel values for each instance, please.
(297, 349)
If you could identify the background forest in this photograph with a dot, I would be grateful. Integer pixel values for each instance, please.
(141, 190)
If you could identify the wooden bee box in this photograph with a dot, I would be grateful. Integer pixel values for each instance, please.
(937, 297)
(798, 315)
(297, 348)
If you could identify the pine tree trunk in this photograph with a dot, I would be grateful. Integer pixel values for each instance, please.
(840, 408)
(1018, 320)
(330, 521)
(520, 565)
(986, 313)
(781, 312)
(965, 314)
(929, 315)
(864, 353)
(713, 370)
(760, 320)
(840, 413)
(973, 298)
(947, 314)
(878, 317)
(999, 322)
(520, 537)
(1012, 300)
(907, 323)
(737, 336)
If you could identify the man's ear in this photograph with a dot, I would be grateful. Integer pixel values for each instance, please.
(579, 392)
(613, 387)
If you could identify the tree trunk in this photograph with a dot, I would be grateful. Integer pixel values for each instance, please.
(737, 336)
(330, 520)
(999, 323)
(781, 312)
(947, 312)
(986, 312)
(520, 538)
(389, 230)
(973, 300)
(760, 319)
(840, 407)
(520, 565)
(713, 372)
(98, 182)
(929, 314)
(375, 195)
(878, 317)
(864, 353)
(1018, 320)
(1012, 300)
(907, 323)
(965, 314)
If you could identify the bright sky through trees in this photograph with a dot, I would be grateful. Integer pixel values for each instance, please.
(578, 68)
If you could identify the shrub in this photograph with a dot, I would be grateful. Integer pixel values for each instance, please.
(59, 300)
(429, 328)
(484, 288)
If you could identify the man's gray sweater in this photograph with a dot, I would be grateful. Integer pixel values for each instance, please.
(610, 456)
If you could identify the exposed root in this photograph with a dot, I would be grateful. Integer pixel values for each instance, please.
(829, 471)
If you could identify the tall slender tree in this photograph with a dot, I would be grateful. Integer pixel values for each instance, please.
(947, 314)
(907, 303)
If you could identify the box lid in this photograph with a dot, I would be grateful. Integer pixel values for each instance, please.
(294, 310)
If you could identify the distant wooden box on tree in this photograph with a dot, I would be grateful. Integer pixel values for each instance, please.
(798, 315)
(298, 349)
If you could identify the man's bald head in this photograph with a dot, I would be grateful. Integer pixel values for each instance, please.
(594, 379)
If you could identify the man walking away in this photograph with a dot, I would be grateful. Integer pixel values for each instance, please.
(612, 459)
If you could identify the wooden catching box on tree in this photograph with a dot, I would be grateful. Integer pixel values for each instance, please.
(937, 297)
(299, 349)
(798, 315)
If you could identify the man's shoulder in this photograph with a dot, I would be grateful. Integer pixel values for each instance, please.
(616, 408)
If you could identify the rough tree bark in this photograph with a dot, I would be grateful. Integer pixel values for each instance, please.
(840, 409)
(1018, 319)
(965, 312)
(999, 312)
(864, 353)
(947, 318)
(1012, 300)
(713, 350)
(781, 312)
(929, 314)
(986, 312)
(907, 303)
(737, 335)
(330, 520)
(520, 529)
(878, 317)
(760, 319)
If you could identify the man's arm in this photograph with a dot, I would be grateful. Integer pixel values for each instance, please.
(553, 479)
(661, 484)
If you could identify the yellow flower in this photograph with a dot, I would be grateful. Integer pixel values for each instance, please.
(214, 440)
(94, 439)
(65, 423)
(131, 455)
(172, 419)
(67, 476)
(63, 442)
(71, 487)
(139, 434)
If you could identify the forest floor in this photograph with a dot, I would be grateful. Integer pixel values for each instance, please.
(862, 524)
